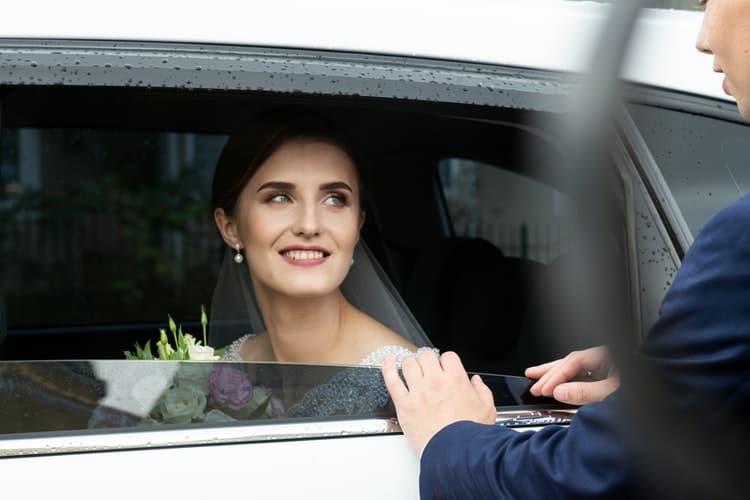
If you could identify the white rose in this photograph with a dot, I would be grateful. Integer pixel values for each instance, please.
(181, 405)
(259, 398)
(146, 391)
(201, 353)
(217, 416)
(193, 376)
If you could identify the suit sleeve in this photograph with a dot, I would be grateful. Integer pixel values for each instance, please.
(700, 344)
(467, 460)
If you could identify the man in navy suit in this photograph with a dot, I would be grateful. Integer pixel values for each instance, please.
(700, 345)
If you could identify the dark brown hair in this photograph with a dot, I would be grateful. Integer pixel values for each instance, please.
(247, 149)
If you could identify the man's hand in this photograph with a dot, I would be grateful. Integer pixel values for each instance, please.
(580, 377)
(438, 392)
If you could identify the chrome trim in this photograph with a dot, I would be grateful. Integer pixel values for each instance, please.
(511, 414)
(534, 419)
(151, 437)
(132, 439)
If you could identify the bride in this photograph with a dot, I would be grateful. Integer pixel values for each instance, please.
(288, 202)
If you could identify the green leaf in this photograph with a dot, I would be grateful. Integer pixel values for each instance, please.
(146, 353)
(161, 350)
(261, 409)
(173, 329)
(204, 322)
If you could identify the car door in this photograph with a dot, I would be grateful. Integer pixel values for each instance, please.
(107, 150)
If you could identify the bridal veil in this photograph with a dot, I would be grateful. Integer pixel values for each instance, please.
(235, 312)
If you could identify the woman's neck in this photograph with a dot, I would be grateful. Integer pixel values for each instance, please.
(301, 329)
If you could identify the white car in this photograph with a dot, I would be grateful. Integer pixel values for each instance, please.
(111, 125)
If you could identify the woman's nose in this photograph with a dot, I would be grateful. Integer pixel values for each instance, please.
(308, 220)
(701, 41)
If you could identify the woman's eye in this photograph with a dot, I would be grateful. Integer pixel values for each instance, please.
(335, 200)
(279, 198)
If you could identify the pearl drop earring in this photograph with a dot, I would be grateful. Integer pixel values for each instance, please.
(238, 258)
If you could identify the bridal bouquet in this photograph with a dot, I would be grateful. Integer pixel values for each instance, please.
(188, 392)
(196, 392)
(186, 347)
(213, 393)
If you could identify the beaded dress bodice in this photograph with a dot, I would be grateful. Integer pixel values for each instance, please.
(375, 358)
(352, 391)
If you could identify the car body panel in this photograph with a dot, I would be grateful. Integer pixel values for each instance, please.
(341, 468)
(561, 37)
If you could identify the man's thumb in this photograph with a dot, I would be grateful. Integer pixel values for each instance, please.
(581, 393)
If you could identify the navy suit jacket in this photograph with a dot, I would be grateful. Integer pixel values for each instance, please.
(701, 344)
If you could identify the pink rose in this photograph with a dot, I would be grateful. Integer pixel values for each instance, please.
(229, 387)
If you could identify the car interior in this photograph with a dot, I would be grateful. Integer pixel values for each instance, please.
(114, 231)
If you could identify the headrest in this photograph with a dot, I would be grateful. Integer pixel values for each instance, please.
(464, 291)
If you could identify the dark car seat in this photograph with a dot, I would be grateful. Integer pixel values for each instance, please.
(549, 329)
(470, 298)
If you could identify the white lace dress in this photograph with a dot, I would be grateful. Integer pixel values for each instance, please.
(375, 358)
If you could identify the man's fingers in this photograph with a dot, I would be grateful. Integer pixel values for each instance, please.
(539, 370)
(541, 373)
(429, 362)
(484, 392)
(452, 364)
(412, 372)
(581, 393)
(393, 382)
(566, 370)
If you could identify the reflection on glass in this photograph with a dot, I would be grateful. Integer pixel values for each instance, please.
(43, 396)
(48, 396)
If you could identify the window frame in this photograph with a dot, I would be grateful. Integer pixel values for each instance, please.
(51, 63)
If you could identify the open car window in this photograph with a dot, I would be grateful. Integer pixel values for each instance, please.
(106, 228)
(101, 225)
(42, 399)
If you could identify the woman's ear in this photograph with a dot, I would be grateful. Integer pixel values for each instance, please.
(227, 228)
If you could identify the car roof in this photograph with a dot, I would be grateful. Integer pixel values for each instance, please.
(543, 34)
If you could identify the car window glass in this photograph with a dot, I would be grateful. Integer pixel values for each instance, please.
(521, 216)
(77, 395)
(703, 160)
(46, 396)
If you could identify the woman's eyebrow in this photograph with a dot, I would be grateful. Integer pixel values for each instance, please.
(336, 185)
(282, 186)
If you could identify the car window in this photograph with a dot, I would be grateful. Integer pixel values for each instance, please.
(118, 394)
(520, 215)
(109, 229)
(703, 160)
(86, 396)
(492, 290)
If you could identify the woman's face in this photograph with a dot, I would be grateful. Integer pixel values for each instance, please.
(725, 33)
(299, 217)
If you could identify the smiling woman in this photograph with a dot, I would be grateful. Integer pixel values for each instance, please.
(287, 197)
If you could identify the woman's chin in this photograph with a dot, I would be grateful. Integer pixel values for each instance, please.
(308, 289)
